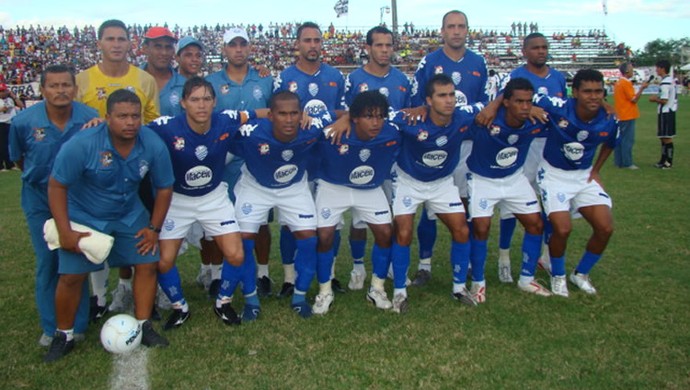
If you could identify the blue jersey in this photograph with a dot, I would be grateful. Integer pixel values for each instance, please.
(469, 76)
(253, 93)
(102, 185)
(500, 150)
(35, 139)
(275, 164)
(394, 86)
(430, 152)
(171, 94)
(323, 91)
(552, 85)
(199, 159)
(570, 142)
(359, 164)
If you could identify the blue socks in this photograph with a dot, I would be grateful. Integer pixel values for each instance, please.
(357, 248)
(506, 233)
(380, 260)
(171, 284)
(558, 266)
(324, 265)
(477, 255)
(401, 262)
(588, 261)
(531, 248)
(426, 234)
(288, 246)
(248, 268)
(305, 264)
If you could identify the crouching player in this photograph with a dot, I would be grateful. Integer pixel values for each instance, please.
(349, 178)
(569, 180)
(496, 179)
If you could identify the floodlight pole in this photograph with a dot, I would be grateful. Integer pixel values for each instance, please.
(394, 7)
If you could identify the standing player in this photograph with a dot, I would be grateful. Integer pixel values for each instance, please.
(94, 182)
(666, 111)
(159, 47)
(569, 180)
(8, 109)
(376, 75)
(424, 175)
(189, 56)
(36, 136)
(468, 72)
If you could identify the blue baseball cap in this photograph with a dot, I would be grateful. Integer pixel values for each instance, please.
(186, 41)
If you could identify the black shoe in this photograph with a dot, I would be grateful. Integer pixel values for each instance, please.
(227, 314)
(421, 278)
(214, 289)
(337, 287)
(155, 315)
(263, 287)
(96, 312)
(176, 319)
(59, 347)
(287, 290)
(151, 338)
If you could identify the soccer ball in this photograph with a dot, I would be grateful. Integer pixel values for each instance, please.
(121, 334)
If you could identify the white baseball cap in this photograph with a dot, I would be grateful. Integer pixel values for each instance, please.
(235, 32)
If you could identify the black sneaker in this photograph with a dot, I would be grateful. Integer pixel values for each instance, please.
(96, 312)
(59, 347)
(227, 314)
(214, 289)
(151, 338)
(337, 287)
(155, 315)
(287, 290)
(421, 278)
(263, 287)
(176, 319)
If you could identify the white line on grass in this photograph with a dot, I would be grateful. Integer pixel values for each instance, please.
(130, 370)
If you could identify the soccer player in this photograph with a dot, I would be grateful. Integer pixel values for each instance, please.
(276, 152)
(424, 174)
(94, 182)
(627, 111)
(667, 105)
(189, 56)
(468, 72)
(36, 136)
(496, 179)
(375, 75)
(159, 48)
(198, 142)
(320, 87)
(569, 177)
(350, 177)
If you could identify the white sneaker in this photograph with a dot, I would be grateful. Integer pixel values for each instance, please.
(162, 300)
(478, 293)
(322, 303)
(356, 280)
(504, 274)
(379, 299)
(400, 304)
(544, 263)
(123, 300)
(535, 288)
(559, 286)
(204, 279)
(582, 281)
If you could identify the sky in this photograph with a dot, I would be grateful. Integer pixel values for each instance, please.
(634, 22)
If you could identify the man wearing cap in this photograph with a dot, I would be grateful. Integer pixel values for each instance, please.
(189, 56)
(159, 47)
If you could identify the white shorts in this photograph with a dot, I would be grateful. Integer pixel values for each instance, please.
(535, 155)
(461, 171)
(562, 190)
(367, 205)
(439, 196)
(513, 194)
(294, 203)
(213, 211)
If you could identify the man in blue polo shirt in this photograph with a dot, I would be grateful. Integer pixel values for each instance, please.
(159, 48)
(36, 135)
(94, 182)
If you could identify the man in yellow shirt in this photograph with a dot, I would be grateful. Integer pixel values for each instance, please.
(626, 108)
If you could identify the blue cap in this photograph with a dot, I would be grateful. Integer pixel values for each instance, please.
(186, 41)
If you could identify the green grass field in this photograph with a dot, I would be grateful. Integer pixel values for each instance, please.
(634, 334)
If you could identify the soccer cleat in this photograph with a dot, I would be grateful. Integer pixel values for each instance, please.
(583, 282)
(465, 297)
(45, 340)
(151, 338)
(204, 279)
(559, 286)
(544, 263)
(264, 287)
(322, 303)
(664, 165)
(337, 287)
(250, 313)
(379, 299)
(478, 293)
(356, 280)
(227, 314)
(162, 300)
(123, 300)
(504, 274)
(287, 290)
(155, 315)
(214, 289)
(59, 347)
(421, 278)
(400, 304)
(302, 308)
(96, 312)
(176, 319)
(535, 288)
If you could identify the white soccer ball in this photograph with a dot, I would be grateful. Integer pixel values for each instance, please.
(121, 334)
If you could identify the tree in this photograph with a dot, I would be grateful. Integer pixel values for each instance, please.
(658, 49)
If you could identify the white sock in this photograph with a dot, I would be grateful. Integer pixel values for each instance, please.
(402, 291)
(99, 284)
(359, 268)
(69, 333)
(216, 270)
(127, 283)
(181, 304)
(262, 270)
(333, 268)
(223, 300)
(425, 264)
(377, 283)
(479, 284)
(289, 270)
(525, 280)
(325, 288)
(503, 255)
(205, 268)
(458, 287)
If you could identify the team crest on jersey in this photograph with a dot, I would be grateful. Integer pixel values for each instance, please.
(201, 152)
(457, 77)
(343, 149)
(292, 86)
(264, 149)
(363, 87)
(143, 168)
(179, 143)
(313, 89)
(495, 130)
(407, 201)
(364, 154)
(543, 91)
(39, 134)
(287, 155)
(224, 89)
(131, 88)
(326, 213)
(582, 135)
(246, 208)
(513, 138)
(422, 135)
(257, 93)
(384, 91)
(100, 93)
(563, 123)
(438, 70)
(442, 140)
(168, 224)
(175, 98)
(106, 159)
